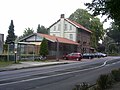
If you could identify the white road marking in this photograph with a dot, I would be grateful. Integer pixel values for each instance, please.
(104, 64)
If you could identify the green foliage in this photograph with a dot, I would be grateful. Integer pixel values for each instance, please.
(27, 31)
(101, 48)
(104, 81)
(11, 35)
(42, 29)
(82, 86)
(114, 32)
(5, 63)
(44, 48)
(116, 74)
(84, 18)
(110, 8)
(5, 48)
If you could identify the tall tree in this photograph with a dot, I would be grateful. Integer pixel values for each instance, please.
(84, 18)
(110, 8)
(11, 35)
(44, 48)
(42, 29)
(27, 32)
(114, 32)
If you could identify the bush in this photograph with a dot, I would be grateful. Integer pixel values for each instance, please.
(82, 86)
(116, 74)
(104, 81)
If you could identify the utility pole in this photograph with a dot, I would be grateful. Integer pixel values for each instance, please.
(57, 54)
(8, 52)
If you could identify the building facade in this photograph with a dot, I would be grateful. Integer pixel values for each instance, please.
(1, 42)
(66, 28)
(31, 44)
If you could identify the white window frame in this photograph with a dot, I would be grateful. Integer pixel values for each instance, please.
(71, 36)
(54, 28)
(65, 27)
(70, 27)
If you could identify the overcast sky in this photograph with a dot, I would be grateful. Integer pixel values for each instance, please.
(30, 13)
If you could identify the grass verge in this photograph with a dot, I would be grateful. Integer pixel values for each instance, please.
(6, 63)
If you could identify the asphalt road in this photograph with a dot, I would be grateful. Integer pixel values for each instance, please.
(60, 77)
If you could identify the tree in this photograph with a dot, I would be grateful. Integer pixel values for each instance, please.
(11, 35)
(44, 48)
(42, 29)
(84, 18)
(110, 8)
(114, 32)
(27, 32)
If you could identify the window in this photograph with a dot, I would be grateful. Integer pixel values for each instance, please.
(70, 27)
(59, 27)
(54, 28)
(65, 27)
(71, 36)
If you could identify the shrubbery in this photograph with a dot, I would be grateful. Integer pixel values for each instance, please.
(116, 74)
(82, 86)
(103, 82)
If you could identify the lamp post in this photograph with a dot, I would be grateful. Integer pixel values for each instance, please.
(15, 52)
(15, 56)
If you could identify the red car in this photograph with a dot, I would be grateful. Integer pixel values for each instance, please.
(73, 56)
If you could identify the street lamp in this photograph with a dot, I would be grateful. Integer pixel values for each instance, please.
(15, 56)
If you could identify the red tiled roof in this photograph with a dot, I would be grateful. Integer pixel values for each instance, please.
(55, 38)
(78, 25)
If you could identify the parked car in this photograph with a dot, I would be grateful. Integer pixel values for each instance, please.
(99, 55)
(88, 55)
(73, 56)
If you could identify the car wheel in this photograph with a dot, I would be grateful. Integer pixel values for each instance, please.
(89, 57)
(77, 59)
(65, 58)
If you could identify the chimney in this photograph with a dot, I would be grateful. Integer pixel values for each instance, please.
(62, 15)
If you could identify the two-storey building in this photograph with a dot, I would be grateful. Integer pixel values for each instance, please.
(66, 28)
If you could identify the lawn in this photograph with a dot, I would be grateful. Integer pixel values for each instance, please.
(6, 63)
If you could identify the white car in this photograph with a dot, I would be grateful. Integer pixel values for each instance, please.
(98, 54)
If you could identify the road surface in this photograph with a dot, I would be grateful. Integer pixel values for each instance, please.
(60, 77)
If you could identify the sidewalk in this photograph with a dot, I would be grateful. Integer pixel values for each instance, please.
(33, 64)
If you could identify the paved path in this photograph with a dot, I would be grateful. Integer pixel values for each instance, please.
(32, 64)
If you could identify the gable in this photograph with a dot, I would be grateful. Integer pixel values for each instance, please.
(31, 38)
(78, 25)
(54, 24)
(34, 38)
(70, 27)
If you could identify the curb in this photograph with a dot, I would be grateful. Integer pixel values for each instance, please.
(11, 69)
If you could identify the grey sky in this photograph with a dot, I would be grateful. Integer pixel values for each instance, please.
(30, 13)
